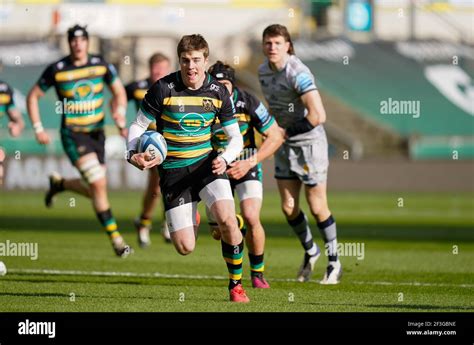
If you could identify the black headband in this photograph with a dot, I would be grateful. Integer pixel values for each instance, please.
(220, 72)
(77, 31)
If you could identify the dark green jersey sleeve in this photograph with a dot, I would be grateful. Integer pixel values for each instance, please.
(47, 78)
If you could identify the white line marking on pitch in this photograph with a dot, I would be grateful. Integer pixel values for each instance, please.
(206, 277)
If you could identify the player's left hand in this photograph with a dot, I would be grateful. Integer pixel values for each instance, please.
(15, 129)
(239, 169)
(219, 166)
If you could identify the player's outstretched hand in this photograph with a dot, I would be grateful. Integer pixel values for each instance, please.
(239, 169)
(42, 137)
(142, 161)
(219, 166)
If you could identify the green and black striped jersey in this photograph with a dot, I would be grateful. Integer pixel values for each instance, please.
(80, 91)
(184, 117)
(251, 114)
(6, 99)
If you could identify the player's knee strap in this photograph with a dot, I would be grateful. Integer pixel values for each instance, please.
(181, 217)
(91, 170)
(216, 190)
(249, 189)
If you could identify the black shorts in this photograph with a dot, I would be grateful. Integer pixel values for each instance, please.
(254, 174)
(182, 185)
(77, 144)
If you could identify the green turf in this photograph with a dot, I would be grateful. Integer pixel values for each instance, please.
(404, 246)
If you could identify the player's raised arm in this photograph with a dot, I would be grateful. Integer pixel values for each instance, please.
(33, 112)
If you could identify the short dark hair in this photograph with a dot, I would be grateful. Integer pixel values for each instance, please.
(222, 71)
(279, 30)
(193, 42)
(77, 31)
(156, 58)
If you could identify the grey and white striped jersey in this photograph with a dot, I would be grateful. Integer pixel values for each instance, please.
(283, 89)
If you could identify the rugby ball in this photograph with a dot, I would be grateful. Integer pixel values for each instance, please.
(154, 144)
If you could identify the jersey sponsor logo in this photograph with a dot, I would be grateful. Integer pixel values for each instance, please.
(171, 85)
(192, 122)
(60, 65)
(83, 89)
(240, 104)
(214, 87)
(262, 112)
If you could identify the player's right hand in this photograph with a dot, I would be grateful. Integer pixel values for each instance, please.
(219, 166)
(42, 137)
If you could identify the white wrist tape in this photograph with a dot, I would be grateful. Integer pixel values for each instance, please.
(38, 127)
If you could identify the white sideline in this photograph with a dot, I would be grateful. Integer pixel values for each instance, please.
(205, 277)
